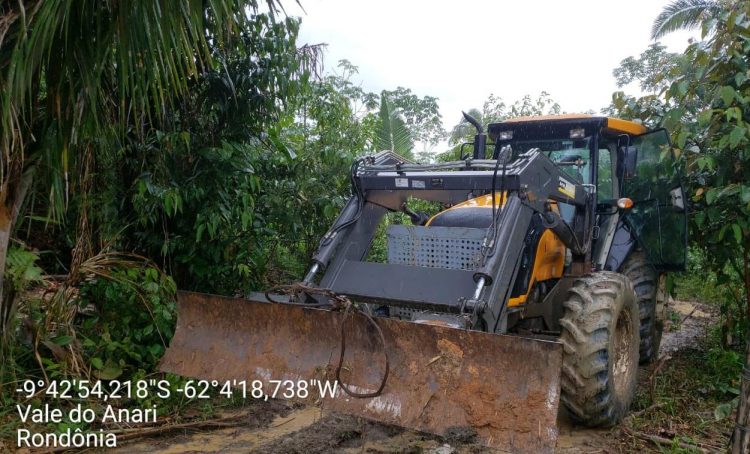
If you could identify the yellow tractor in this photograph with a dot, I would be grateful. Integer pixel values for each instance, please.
(534, 279)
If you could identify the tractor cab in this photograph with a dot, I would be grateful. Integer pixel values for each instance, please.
(617, 160)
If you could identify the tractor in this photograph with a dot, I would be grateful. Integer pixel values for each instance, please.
(477, 292)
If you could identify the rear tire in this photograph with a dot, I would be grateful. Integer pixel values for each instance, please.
(600, 337)
(645, 280)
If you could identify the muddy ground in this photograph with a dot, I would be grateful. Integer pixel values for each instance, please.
(281, 427)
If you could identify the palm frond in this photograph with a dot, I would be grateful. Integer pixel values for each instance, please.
(99, 67)
(393, 134)
(683, 15)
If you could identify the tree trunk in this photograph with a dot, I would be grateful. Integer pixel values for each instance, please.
(15, 191)
(5, 227)
(741, 435)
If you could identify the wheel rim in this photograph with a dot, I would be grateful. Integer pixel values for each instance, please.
(622, 368)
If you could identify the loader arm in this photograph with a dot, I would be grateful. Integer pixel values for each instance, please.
(531, 181)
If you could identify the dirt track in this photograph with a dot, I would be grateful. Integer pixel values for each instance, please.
(280, 427)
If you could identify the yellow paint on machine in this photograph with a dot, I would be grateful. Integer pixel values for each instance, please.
(484, 201)
(550, 254)
(567, 188)
(548, 264)
(617, 125)
(629, 127)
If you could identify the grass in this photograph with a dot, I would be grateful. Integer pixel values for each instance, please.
(696, 287)
(678, 400)
(689, 397)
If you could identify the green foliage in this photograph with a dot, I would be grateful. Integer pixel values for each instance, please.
(725, 365)
(224, 157)
(237, 188)
(129, 318)
(124, 317)
(649, 109)
(700, 282)
(392, 133)
(421, 115)
(206, 208)
(333, 132)
(690, 389)
(117, 323)
(22, 270)
(715, 142)
(701, 97)
(234, 193)
(103, 68)
(652, 69)
(685, 14)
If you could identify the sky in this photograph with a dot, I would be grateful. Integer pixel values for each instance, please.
(462, 51)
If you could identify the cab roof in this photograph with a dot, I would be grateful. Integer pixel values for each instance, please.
(610, 125)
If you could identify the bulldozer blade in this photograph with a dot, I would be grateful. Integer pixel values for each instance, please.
(441, 379)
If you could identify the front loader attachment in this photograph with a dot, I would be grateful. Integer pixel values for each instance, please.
(505, 387)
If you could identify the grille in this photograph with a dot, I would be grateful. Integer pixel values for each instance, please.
(432, 247)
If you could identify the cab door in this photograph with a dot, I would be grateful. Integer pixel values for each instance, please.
(658, 218)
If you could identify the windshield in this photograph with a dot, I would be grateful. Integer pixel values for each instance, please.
(572, 155)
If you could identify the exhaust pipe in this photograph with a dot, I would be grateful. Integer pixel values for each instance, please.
(480, 139)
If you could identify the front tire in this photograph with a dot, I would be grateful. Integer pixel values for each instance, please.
(600, 336)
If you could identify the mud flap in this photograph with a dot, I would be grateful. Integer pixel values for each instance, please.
(505, 387)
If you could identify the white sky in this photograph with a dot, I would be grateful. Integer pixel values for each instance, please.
(566, 47)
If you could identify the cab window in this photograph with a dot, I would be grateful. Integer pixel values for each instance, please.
(572, 155)
(605, 186)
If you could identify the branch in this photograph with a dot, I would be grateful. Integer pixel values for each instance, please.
(661, 441)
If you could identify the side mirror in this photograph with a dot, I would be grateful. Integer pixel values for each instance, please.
(629, 159)
(678, 199)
